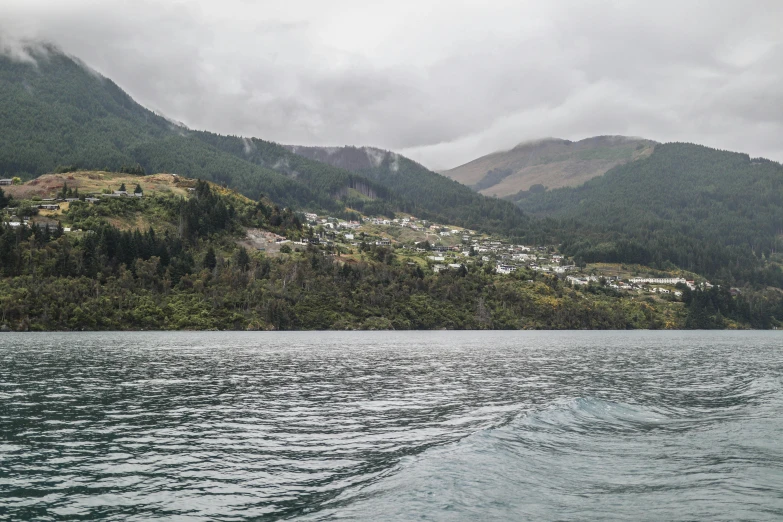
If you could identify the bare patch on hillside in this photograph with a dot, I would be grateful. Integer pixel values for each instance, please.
(260, 240)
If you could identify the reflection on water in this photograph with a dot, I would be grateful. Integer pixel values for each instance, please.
(391, 426)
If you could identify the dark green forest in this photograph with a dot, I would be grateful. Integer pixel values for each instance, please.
(712, 212)
(57, 115)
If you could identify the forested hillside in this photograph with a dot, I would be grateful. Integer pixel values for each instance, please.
(56, 114)
(713, 212)
(434, 196)
(173, 259)
(355, 191)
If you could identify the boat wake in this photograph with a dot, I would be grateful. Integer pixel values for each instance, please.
(584, 458)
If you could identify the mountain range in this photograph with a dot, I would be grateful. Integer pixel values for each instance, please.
(607, 198)
(58, 114)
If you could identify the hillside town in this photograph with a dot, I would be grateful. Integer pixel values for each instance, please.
(433, 246)
(441, 247)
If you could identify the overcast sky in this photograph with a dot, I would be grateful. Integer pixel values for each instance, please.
(440, 81)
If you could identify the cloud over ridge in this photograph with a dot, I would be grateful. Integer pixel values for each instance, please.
(438, 81)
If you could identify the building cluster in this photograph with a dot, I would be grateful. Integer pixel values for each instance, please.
(651, 285)
(445, 247)
(54, 205)
(16, 222)
(406, 222)
(451, 248)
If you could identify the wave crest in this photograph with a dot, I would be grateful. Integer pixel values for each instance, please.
(589, 414)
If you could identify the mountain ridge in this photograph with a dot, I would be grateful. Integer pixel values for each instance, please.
(57, 113)
(548, 163)
(457, 203)
(715, 212)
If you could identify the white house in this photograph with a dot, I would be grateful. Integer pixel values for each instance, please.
(658, 280)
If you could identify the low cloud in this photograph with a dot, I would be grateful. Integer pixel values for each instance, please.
(439, 81)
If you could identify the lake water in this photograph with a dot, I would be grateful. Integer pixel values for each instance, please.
(392, 426)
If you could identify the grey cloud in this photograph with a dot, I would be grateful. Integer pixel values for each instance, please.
(440, 81)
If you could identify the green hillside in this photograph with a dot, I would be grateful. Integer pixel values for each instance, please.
(713, 212)
(319, 178)
(175, 258)
(56, 114)
(433, 195)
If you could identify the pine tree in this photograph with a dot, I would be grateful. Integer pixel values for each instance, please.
(242, 259)
(210, 261)
(137, 190)
(122, 188)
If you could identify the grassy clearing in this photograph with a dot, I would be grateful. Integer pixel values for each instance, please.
(96, 182)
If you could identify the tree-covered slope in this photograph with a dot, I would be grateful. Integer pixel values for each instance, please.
(175, 258)
(56, 112)
(713, 212)
(436, 196)
(355, 190)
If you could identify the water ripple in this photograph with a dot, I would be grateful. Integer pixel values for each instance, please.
(433, 425)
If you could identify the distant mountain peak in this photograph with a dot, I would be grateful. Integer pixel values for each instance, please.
(606, 139)
(550, 162)
(350, 157)
(541, 142)
(433, 194)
